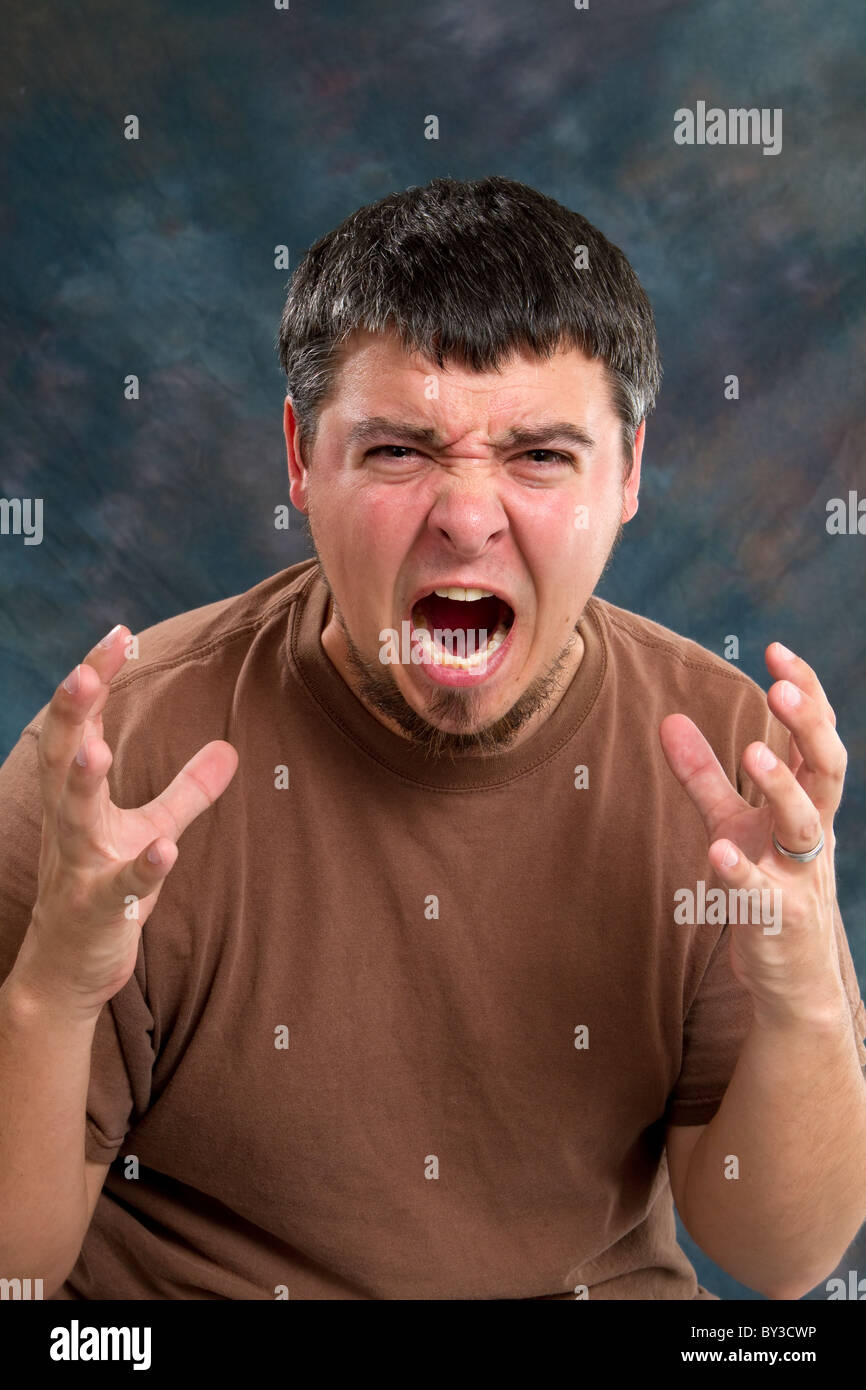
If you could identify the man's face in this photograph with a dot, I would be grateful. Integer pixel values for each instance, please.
(470, 505)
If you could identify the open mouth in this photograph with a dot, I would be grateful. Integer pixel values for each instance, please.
(461, 628)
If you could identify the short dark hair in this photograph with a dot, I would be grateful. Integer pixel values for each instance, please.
(469, 272)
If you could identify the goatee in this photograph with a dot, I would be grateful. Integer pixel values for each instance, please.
(379, 691)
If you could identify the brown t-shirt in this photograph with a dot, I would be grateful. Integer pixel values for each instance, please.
(401, 1028)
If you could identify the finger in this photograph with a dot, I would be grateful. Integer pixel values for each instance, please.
(107, 658)
(193, 790)
(732, 866)
(821, 773)
(80, 806)
(62, 730)
(79, 697)
(698, 770)
(737, 871)
(786, 665)
(796, 820)
(137, 879)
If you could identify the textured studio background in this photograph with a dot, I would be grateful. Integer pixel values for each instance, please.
(262, 127)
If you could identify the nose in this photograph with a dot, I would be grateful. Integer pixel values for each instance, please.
(468, 514)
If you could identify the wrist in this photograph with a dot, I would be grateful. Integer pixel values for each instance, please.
(32, 1001)
(828, 1014)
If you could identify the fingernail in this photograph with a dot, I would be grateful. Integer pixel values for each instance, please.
(110, 636)
(154, 855)
(766, 759)
(73, 681)
(730, 858)
(784, 651)
(81, 755)
(790, 694)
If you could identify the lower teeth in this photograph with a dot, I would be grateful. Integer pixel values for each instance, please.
(439, 657)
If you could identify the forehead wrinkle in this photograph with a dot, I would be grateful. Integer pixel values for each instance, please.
(377, 426)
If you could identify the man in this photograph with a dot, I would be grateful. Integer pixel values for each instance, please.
(452, 986)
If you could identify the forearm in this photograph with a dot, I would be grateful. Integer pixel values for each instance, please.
(794, 1118)
(44, 1070)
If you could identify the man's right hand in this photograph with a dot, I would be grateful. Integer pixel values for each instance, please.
(81, 945)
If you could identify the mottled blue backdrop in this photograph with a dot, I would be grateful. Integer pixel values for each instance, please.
(261, 127)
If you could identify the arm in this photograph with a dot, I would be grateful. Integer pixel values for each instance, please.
(775, 1188)
(49, 1191)
(794, 1116)
(101, 870)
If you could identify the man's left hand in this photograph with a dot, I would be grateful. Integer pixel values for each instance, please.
(793, 974)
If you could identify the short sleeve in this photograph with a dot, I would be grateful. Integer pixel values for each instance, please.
(714, 1030)
(122, 1056)
(720, 1015)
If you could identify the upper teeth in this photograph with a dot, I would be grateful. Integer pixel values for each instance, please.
(464, 595)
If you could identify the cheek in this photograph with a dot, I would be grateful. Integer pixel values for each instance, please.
(559, 532)
(566, 542)
(381, 526)
(595, 517)
(373, 534)
(382, 511)
(364, 518)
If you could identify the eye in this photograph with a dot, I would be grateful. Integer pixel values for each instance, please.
(544, 458)
(551, 454)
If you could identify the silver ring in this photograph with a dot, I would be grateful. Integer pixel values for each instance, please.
(801, 858)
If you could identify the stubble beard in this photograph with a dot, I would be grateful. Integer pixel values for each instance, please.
(452, 705)
(376, 687)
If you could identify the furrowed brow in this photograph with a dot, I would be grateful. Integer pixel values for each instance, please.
(537, 436)
(376, 425)
(534, 437)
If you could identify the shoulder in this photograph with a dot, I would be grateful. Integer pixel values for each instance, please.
(654, 671)
(198, 650)
(216, 632)
(648, 640)
(183, 685)
(667, 658)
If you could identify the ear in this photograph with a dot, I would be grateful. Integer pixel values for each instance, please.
(630, 491)
(297, 469)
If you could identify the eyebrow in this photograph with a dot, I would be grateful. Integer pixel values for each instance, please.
(533, 437)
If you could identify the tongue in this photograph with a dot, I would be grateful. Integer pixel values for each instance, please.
(451, 613)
